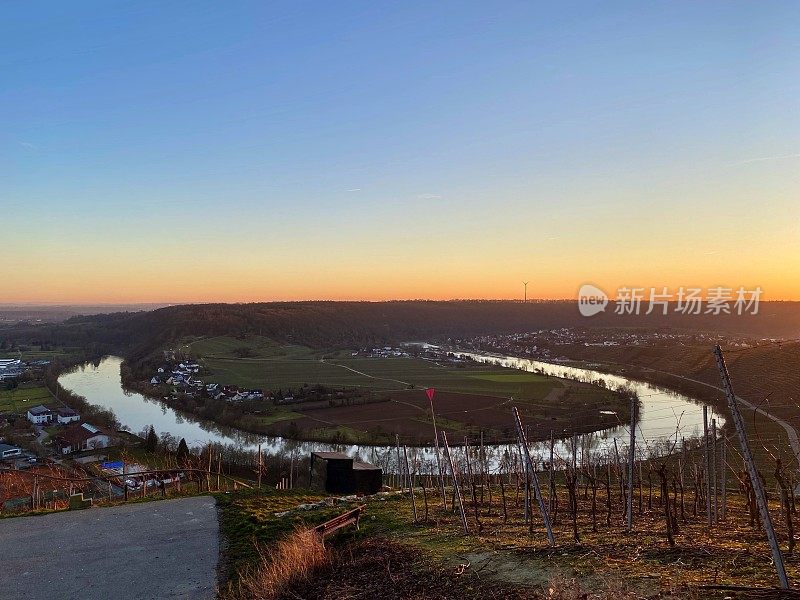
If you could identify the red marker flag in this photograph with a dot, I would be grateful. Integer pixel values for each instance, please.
(430, 392)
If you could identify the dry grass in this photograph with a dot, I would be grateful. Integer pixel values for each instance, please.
(291, 560)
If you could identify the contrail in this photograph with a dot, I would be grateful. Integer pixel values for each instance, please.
(765, 158)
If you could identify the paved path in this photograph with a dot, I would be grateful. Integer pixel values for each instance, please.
(159, 549)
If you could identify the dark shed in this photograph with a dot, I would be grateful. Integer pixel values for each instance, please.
(337, 473)
(367, 477)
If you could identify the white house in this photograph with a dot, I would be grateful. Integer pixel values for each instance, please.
(40, 415)
(67, 415)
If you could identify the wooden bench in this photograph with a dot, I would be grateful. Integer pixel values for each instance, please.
(351, 517)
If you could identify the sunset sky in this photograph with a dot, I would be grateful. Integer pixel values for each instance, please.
(242, 151)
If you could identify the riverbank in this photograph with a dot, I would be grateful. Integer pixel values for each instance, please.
(101, 384)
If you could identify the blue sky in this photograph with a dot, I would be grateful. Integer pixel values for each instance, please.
(442, 149)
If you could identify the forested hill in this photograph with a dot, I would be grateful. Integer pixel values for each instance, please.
(354, 324)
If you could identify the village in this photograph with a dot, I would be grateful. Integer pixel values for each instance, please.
(49, 440)
(187, 377)
(553, 344)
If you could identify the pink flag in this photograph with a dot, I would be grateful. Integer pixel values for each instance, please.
(430, 392)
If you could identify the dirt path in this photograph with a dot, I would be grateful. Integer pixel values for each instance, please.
(365, 374)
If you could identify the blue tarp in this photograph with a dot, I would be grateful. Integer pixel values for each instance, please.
(111, 465)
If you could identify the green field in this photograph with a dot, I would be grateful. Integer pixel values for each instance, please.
(270, 366)
(20, 399)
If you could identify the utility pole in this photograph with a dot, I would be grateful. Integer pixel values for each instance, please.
(631, 459)
(524, 441)
(758, 488)
(707, 464)
(525, 283)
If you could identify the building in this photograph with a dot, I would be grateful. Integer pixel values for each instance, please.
(9, 451)
(75, 438)
(337, 473)
(40, 415)
(67, 415)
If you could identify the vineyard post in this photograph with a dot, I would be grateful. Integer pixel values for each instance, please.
(707, 464)
(456, 488)
(724, 479)
(631, 460)
(574, 450)
(260, 466)
(400, 475)
(410, 484)
(618, 470)
(683, 458)
(430, 392)
(715, 507)
(758, 488)
(524, 441)
(484, 471)
(551, 482)
(525, 490)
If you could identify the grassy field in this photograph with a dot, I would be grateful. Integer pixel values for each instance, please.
(25, 396)
(271, 366)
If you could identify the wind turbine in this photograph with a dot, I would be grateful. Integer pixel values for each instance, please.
(525, 283)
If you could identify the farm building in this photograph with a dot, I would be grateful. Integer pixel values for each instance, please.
(337, 473)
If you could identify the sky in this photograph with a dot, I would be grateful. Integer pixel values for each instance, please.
(252, 151)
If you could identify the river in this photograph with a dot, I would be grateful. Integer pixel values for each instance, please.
(661, 410)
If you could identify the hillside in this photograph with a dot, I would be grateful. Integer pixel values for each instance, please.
(355, 324)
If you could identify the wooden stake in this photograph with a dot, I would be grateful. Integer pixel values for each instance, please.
(456, 489)
(715, 505)
(524, 441)
(410, 484)
(758, 488)
(707, 460)
(631, 460)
